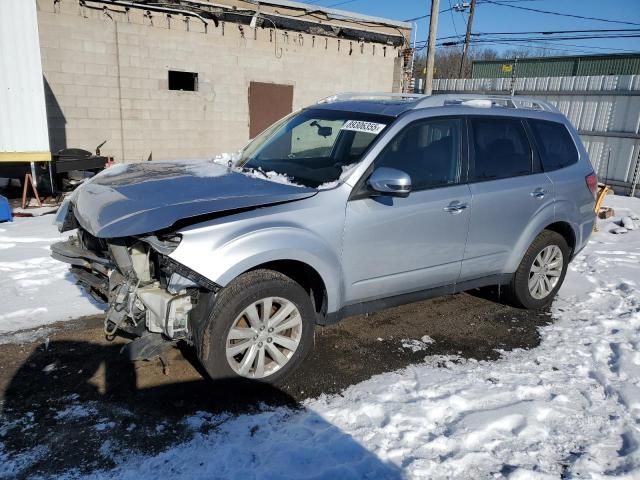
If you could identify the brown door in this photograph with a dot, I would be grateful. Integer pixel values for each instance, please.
(268, 103)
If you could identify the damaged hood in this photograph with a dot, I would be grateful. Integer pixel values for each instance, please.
(135, 199)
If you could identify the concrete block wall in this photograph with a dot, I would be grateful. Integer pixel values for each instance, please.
(106, 78)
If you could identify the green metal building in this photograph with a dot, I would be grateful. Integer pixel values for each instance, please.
(564, 66)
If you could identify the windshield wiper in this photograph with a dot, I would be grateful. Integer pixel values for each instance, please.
(254, 170)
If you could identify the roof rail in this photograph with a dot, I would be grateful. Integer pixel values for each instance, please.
(485, 101)
(341, 97)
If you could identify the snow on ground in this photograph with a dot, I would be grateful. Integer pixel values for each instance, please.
(567, 409)
(417, 345)
(35, 289)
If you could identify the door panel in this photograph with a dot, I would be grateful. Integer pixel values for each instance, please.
(508, 190)
(502, 209)
(398, 245)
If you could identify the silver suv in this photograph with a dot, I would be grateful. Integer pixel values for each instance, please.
(353, 205)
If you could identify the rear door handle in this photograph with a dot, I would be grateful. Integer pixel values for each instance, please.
(455, 207)
(539, 193)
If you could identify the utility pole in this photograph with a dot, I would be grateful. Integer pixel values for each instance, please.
(431, 52)
(467, 37)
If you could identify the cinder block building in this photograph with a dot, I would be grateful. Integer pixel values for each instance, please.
(191, 78)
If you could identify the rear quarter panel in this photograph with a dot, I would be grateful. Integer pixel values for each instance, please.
(574, 201)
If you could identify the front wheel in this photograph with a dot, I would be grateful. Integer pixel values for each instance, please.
(261, 328)
(541, 271)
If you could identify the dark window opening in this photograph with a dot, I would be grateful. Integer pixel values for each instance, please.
(555, 144)
(501, 149)
(428, 150)
(185, 81)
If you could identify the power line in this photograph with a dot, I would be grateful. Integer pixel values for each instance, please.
(453, 20)
(341, 3)
(529, 39)
(591, 47)
(504, 4)
(425, 16)
(452, 41)
(551, 32)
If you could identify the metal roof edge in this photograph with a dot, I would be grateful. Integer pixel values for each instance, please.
(338, 14)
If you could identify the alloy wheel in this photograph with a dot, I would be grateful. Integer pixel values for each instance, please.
(545, 272)
(264, 337)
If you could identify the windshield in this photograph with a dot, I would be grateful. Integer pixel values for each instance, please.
(313, 147)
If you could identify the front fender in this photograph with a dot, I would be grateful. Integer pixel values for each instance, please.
(222, 263)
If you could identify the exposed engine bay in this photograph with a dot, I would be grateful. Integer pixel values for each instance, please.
(144, 288)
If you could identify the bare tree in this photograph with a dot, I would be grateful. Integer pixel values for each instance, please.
(447, 61)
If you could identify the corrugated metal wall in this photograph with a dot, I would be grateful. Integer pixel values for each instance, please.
(604, 109)
(559, 66)
(23, 116)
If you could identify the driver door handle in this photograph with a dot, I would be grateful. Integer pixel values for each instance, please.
(539, 193)
(455, 207)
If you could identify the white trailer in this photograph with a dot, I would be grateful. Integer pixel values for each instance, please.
(24, 135)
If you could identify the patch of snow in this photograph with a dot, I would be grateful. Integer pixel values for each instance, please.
(115, 169)
(619, 230)
(226, 157)
(26, 336)
(11, 466)
(34, 211)
(628, 223)
(276, 177)
(102, 426)
(211, 168)
(346, 170)
(35, 289)
(76, 411)
(417, 345)
(49, 368)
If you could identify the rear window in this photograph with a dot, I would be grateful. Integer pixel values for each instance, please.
(500, 149)
(555, 144)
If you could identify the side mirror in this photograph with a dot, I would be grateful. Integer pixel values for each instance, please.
(390, 181)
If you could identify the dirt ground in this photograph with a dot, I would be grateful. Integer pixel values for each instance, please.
(80, 402)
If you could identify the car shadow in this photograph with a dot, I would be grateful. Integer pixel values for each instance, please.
(492, 293)
(60, 415)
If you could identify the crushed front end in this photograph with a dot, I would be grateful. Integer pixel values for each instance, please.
(146, 291)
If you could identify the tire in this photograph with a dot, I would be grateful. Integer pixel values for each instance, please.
(519, 292)
(248, 293)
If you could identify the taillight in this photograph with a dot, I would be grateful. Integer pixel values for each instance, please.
(592, 184)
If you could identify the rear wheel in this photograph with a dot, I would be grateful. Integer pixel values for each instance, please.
(541, 271)
(261, 328)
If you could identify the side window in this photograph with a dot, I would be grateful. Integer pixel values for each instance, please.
(555, 144)
(500, 149)
(428, 150)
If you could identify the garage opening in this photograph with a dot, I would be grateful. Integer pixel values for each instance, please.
(268, 103)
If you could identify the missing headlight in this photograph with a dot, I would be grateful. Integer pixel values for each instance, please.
(170, 267)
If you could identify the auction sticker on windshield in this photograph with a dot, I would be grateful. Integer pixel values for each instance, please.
(360, 126)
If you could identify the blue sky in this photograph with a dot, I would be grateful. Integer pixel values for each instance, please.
(494, 18)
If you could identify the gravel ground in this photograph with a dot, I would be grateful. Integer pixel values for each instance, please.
(76, 374)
